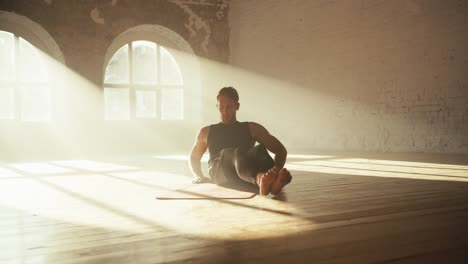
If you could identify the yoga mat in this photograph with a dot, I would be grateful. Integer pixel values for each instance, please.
(204, 191)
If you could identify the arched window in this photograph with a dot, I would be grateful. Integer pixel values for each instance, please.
(143, 80)
(24, 89)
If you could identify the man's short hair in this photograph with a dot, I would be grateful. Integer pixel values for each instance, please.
(229, 92)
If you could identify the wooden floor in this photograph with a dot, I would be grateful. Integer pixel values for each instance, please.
(340, 208)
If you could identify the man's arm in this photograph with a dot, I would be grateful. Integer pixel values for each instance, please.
(200, 147)
(260, 134)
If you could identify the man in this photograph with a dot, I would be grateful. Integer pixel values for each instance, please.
(234, 158)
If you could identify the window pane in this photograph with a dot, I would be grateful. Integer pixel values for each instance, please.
(6, 56)
(35, 103)
(7, 103)
(117, 69)
(117, 103)
(144, 62)
(31, 65)
(145, 104)
(170, 72)
(172, 103)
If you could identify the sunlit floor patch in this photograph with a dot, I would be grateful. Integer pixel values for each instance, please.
(396, 163)
(90, 165)
(304, 156)
(384, 168)
(125, 201)
(39, 168)
(8, 173)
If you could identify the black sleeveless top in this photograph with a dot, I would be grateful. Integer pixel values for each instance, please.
(221, 136)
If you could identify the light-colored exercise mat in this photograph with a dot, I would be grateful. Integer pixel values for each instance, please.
(204, 191)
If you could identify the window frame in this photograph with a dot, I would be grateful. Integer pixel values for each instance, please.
(18, 85)
(39, 38)
(133, 87)
(189, 65)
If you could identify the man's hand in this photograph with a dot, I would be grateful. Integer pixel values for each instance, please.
(198, 180)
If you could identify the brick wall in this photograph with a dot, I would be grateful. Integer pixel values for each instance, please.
(355, 75)
(84, 30)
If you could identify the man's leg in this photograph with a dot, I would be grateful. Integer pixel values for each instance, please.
(256, 167)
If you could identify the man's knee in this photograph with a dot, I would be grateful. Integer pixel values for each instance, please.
(263, 160)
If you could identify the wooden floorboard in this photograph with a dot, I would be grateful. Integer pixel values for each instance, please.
(339, 208)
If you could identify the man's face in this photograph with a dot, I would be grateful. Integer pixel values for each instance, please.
(227, 109)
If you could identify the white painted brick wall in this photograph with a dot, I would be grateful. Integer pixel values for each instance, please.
(371, 75)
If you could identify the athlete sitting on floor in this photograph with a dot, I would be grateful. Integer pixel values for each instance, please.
(233, 154)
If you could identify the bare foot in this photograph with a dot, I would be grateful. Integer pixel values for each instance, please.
(266, 180)
(284, 177)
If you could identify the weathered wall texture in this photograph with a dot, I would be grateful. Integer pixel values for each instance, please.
(356, 75)
(83, 31)
(346, 75)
